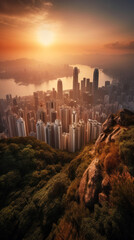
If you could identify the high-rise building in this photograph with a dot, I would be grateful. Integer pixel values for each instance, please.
(41, 114)
(36, 100)
(53, 115)
(83, 84)
(58, 134)
(75, 83)
(74, 117)
(9, 98)
(40, 130)
(81, 133)
(77, 136)
(12, 125)
(54, 93)
(88, 85)
(65, 141)
(21, 127)
(50, 105)
(49, 134)
(95, 80)
(60, 89)
(30, 115)
(93, 130)
(73, 138)
(32, 125)
(64, 116)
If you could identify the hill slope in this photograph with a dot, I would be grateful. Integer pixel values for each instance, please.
(49, 194)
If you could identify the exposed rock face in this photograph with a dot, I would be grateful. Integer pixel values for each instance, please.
(114, 125)
(88, 189)
(123, 118)
(110, 122)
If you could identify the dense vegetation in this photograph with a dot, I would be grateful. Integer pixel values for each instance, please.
(39, 191)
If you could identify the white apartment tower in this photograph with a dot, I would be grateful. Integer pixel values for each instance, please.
(40, 130)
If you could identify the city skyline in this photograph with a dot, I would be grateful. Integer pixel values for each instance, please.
(66, 120)
(51, 119)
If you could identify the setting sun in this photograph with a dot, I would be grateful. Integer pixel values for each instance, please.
(46, 37)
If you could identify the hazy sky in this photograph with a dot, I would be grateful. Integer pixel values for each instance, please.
(35, 27)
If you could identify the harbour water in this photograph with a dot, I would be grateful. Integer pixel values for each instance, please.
(9, 86)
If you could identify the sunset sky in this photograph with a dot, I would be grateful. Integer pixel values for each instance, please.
(37, 27)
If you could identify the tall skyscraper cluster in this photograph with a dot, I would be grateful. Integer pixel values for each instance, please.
(86, 85)
(55, 117)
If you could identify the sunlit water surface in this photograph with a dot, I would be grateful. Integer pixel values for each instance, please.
(9, 86)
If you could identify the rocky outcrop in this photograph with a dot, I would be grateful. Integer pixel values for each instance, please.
(108, 124)
(88, 189)
(92, 187)
(114, 125)
(123, 118)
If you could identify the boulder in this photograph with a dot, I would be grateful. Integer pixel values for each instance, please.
(88, 189)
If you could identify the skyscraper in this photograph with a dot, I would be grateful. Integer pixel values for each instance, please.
(40, 130)
(93, 130)
(36, 100)
(60, 89)
(77, 136)
(41, 114)
(64, 115)
(49, 134)
(73, 138)
(58, 134)
(95, 80)
(21, 127)
(74, 117)
(12, 125)
(75, 82)
(53, 115)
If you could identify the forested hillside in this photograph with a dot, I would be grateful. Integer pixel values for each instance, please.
(45, 195)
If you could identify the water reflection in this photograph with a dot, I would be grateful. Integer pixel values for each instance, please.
(10, 86)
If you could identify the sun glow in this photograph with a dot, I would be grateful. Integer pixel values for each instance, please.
(46, 37)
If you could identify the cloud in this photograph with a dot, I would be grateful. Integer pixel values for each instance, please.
(23, 13)
(120, 45)
(17, 7)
